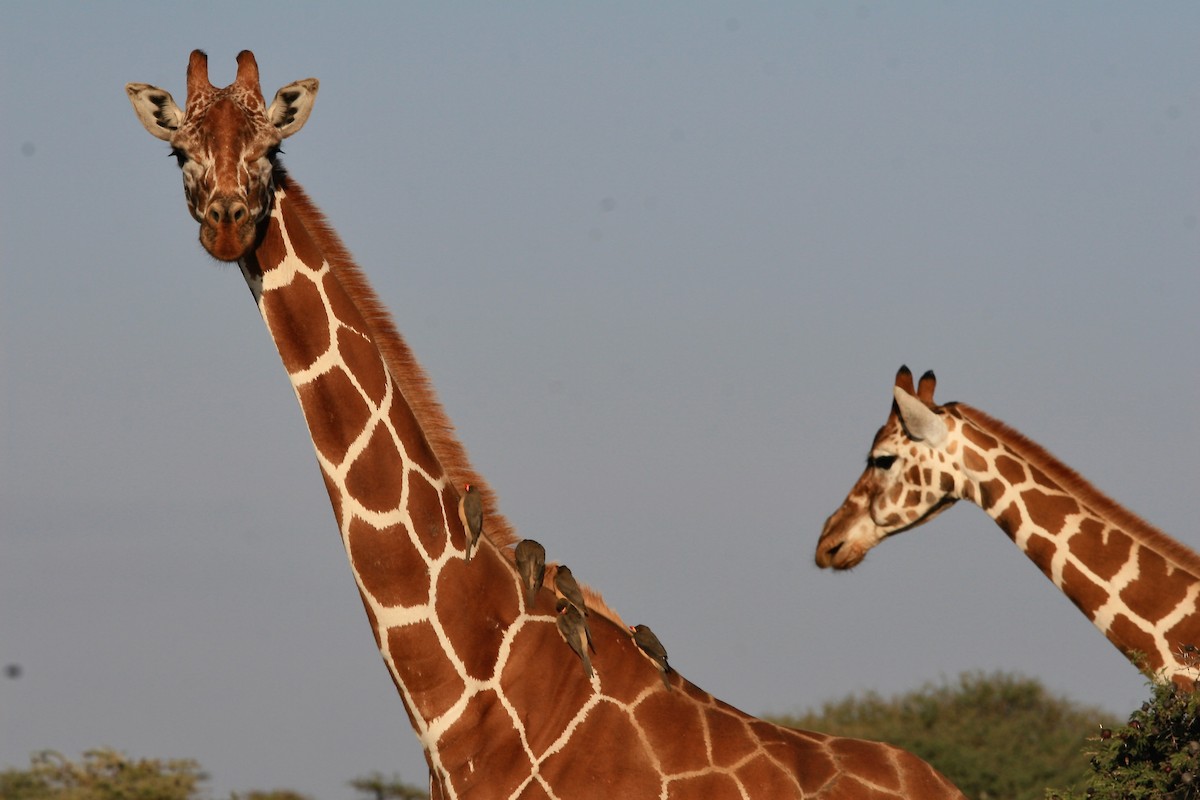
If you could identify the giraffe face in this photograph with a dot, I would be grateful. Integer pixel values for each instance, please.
(909, 479)
(225, 142)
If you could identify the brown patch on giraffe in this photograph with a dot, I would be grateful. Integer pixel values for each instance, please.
(1157, 591)
(973, 461)
(730, 736)
(703, 787)
(476, 627)
(424, 503)
(342, 306)
(913, 474)
(1187, 632)
(763, 777)
(335, 412)
(1086, 594)
(895, 492)
(376, 478)
(1040, 551)
(1104, 554)
(1048, 511)
(1009, 519)
(544, 688)
(362, 361)
(1010, 469)
(663, 716)
(423, 668)
(869, 761)
(913, 499)
(990, 493)
(1042, 479)
(1128, 637)
(795, 754)
(270, 250)
(978, 437)
(927, 476)
(303, 245)
(379, 556)
(604, 736)
(482, 750)
(287, 311)
(416, 445)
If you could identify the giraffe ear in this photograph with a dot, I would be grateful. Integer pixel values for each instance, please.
(156, 109)
(292, 105)
(920, 422)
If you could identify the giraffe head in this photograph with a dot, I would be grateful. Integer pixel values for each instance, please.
(911, 476)
(225, 141)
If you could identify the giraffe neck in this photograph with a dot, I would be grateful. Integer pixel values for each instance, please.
(439, 622)
(1137, 585)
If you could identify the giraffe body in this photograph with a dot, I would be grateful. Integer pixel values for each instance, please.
(499, 705)
(1138, 586)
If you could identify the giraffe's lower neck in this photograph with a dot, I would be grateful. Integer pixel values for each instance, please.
(1138, 586)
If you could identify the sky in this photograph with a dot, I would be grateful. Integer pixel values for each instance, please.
(661, 262)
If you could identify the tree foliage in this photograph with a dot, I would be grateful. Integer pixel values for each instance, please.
(1155, 755)
(102, 774)
(996, 736)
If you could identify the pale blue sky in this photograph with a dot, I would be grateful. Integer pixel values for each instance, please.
(661, 263)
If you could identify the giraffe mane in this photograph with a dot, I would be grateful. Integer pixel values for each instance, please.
(1183, 556)
(410, 376)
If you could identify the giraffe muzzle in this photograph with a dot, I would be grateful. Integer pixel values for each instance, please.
(227, 229)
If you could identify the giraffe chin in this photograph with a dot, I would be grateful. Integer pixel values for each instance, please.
(226, 241)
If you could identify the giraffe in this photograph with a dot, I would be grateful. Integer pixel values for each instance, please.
(493, 693)
(1136, 584)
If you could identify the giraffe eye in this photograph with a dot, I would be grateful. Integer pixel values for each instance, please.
(883, 462)
(180, 156)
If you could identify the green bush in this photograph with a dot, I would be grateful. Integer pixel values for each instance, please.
(101, 775)
(996, 736)
(1155, 755)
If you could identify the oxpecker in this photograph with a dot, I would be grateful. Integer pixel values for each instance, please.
(531, 565)
(470, 512)
(573, 628)
(651, 646)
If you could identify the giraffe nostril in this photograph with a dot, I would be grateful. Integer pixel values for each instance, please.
(221, 210)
